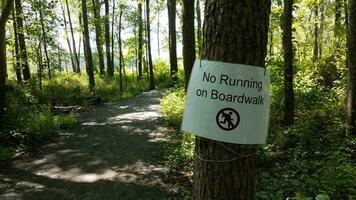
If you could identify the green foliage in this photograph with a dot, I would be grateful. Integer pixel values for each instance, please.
(179, 151)
(172, 106)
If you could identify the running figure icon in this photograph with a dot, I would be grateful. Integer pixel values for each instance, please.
(228, 119)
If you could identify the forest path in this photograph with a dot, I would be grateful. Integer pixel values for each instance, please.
(114, 153)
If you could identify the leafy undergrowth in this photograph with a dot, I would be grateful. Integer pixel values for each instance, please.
(314, 159)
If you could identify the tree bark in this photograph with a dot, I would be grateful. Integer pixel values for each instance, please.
(17, 51)
(5, 13)
(45, 44)
(112, 35)
(316, 33)
(87, 48)
(338, 6)
(68, 42)
(188, 39)
(351, 44)
(99, 46)
(199, 32)
(235, 31)
(148, 32)
(121, 59)
(171, 5)
(288, 63)
(140, 38)
(158, 28)
(110, 68)
(76, 59)
(321, 29)
(22, 43)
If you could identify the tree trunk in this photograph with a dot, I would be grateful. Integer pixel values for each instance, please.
(338, 6)
(76, 59)
(171, 5)
(288, 63)
(346, 11)
(110, 68)
(321, 29)
(68, 42)
(17, 51)
(158, 28)
(22, 43)
(199, 33)
(121, 59)
(99, 46)
(112, 35)
(148, 32)
(45, 44)
(229, 28)
(140, 38)
(87, 49)
(5, 13)
(188, 39)
(316, 33)
(351, 43)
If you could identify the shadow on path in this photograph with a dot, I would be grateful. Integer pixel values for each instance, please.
(115, 153)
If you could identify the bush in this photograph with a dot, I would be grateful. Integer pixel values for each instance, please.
(172, 106)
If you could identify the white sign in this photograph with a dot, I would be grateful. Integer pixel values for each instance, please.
(228, 102)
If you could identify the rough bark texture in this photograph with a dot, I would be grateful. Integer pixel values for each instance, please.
(22, 43)
(87, 48)
(99, 45)
(171, 5)
(188, 39)
(110, 67)
(351, 100)
(199, 32)
(76, 59)
(140, 38)
(235, 31)
(288, 63)
(149, 54)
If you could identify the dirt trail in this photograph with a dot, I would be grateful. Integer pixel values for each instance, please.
(114, 153)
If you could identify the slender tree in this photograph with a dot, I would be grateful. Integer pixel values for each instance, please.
(171, 5)
(316, 32)
(67, 38)
(121, 59)
(140, 37)
(17, 51)
(76, 59)
(44, 35)
(351, 48)
(99, 46)
(22, 43)
(149, 54)
(288, 63)
(110, 68)
(199, 33)
(113, 19)
(188, 39)
(87, 48)
(222, 170)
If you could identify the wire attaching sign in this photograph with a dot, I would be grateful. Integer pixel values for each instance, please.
(228, 102)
